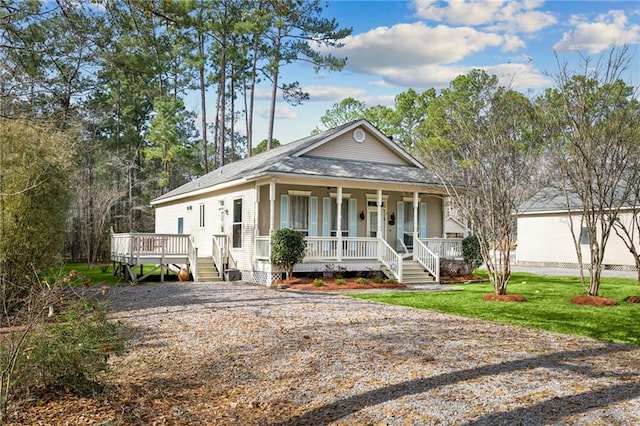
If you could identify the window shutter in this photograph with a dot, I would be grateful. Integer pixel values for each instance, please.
(326, 216)
(313, 216)
(353, 217)
(399, 224)
(284, 211)
(422, 221)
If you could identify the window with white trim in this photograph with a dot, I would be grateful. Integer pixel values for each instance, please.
(201, 215)
(237, 223)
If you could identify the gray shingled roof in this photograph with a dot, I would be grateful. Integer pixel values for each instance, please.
(549, 200)
(283, 160)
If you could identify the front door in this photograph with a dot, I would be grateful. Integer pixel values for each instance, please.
(372, 222)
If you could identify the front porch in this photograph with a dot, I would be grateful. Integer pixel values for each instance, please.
(352, 253)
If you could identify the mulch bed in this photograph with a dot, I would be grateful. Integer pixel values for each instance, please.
(504, 298)
(330, 284)
(306, 283)
(633, 299)
(593, 301)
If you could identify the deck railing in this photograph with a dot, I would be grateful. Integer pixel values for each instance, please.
(130, 246)
(427, 258)
(444, 247)
(193, 256)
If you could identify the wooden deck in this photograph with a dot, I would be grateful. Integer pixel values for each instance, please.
(129, 250)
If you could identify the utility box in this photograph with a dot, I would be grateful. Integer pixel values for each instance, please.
(232, 275)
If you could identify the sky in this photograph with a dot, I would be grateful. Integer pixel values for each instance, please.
(420, 44)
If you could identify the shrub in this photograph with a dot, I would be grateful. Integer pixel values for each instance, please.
(391, 280)
(70, 354)
(318, 282)
(361, 280)
(287, 249)
(471, 251)
(341, 281)
(378, 280)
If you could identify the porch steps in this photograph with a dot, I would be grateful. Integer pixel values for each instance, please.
(207, 270)
(413, 273)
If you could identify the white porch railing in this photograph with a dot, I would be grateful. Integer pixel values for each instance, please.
(263, 247)
(193, 256)
(427, 258)
(330, 248)
(219, 251)
(390, 258)
(128, 247)
(444, 247)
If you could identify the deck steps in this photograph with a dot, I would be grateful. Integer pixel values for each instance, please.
(412, 273)
(207, 271)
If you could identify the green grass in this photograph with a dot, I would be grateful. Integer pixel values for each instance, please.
(97, 276)
(548, 306)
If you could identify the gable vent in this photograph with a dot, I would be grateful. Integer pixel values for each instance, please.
(359, 135)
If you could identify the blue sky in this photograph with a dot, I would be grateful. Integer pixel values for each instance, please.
(397, 45)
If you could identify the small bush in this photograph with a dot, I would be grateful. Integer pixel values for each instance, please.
(378, 280)
(287, 249)
(70, 354)
(471, 251)
(391, 280)
(341, 281)
(318, 282)
(361, 280)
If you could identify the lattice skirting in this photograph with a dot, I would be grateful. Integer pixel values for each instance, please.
(569, 265)
(261, 277)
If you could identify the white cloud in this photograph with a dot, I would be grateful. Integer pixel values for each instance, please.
(416, 55)
(516, 75)
(608, 29)
(497, 15)
(406, 45)
(283, 111)
(332, 93)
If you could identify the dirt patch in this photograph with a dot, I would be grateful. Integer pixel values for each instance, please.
(504, 298)
(593, 301)
(633, 299)
(334, 284)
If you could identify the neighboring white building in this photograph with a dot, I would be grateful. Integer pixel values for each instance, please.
(361, 200)
(545, 239)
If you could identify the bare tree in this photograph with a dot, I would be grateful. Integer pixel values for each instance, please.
(592, 124)
(482, 142)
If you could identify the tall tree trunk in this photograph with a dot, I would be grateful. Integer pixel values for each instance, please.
(203, 106)
(252, 91)
(274, 90)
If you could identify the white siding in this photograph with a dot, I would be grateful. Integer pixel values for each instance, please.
(345, 147)
(546, 238)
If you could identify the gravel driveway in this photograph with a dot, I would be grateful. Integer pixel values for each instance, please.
(235, 353)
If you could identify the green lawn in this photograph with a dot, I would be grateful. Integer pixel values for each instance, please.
(98, 277)
(548, 306)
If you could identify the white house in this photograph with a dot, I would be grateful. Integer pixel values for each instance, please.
(545, 239)
(362, 202)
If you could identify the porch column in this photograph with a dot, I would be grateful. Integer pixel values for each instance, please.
(272, 207)
(444, 216)
(379, 203)
(339, 223)
(415, 215)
